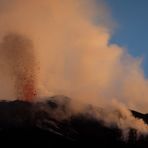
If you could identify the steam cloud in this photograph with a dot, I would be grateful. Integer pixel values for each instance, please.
(71, 42)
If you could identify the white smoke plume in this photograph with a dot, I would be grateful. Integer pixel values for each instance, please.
(71, 43)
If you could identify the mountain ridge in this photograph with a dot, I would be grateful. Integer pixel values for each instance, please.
(38, 122)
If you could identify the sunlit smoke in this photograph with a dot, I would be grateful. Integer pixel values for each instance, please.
(70, 39)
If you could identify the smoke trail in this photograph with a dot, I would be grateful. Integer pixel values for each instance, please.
(18, 53)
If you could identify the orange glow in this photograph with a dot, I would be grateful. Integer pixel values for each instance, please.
(29, 91)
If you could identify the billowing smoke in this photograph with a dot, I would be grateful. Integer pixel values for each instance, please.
(71, 43)
(17, 51)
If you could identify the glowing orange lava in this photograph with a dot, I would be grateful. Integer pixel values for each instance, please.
(29, 91)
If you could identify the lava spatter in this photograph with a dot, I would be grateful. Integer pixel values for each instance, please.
(19, 52)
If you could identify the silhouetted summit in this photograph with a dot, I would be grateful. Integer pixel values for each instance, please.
(50, 122)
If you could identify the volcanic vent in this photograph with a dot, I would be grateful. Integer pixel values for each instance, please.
(19, 54)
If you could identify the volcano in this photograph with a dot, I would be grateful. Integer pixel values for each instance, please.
(51, 123)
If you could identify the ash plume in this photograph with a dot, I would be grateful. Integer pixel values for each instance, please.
(19, 55)
(71, 42)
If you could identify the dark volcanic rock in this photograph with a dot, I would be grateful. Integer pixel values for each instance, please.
(39, 124)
